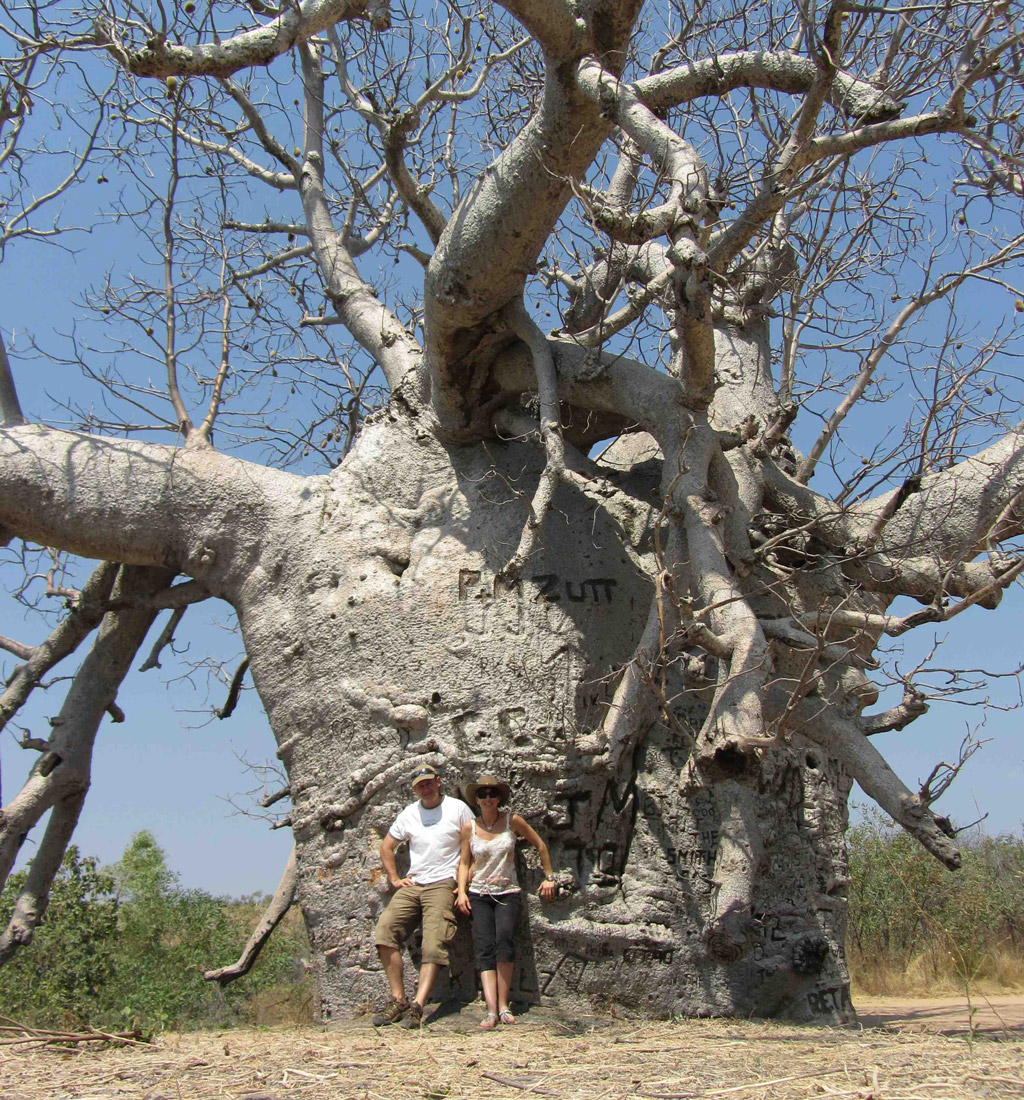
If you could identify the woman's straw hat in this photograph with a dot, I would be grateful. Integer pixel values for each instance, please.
(488, 781)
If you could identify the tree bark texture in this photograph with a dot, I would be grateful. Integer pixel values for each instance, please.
(383, 635)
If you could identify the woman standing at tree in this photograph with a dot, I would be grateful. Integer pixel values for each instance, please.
(489, 889)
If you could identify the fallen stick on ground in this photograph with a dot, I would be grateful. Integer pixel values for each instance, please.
(737, 1088)
(27, 1034)
(524, 1086)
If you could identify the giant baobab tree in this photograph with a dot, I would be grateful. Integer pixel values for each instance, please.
(579, 303)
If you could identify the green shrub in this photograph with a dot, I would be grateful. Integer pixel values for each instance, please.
(59, 979)
(126, 947)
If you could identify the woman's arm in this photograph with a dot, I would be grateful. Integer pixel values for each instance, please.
(531, 836)
(465, 862)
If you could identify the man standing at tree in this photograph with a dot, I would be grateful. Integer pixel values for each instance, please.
(433, 828)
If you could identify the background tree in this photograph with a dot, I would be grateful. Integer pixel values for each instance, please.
(679, 229)
(124, 946)
(914, 925)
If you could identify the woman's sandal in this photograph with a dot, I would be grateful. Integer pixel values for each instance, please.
(506, 1017)
(490, 1021)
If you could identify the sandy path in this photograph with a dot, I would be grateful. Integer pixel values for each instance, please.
(946, 1015)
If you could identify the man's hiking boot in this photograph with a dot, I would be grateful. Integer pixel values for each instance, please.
(391, 1013)
(413, 1017)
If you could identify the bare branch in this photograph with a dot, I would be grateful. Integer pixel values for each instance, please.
(234, 690)
(942, 775)
(165, 638)
(281, 902)
(260, 46)
(912, 707)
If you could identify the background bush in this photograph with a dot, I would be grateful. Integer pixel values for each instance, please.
(126, 946)
(916, 927)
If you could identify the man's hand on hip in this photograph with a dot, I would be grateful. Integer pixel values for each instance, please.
(398, 883)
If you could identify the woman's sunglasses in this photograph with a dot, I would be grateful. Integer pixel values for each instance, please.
(487, 792)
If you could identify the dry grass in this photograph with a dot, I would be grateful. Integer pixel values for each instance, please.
(934, 972)
(606, 1061)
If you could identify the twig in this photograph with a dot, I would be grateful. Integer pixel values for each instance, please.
(527, 1087)
(32, 1035)
(234, 690)
(741, 1088)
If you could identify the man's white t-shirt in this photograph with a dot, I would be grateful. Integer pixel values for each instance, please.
(435, 838)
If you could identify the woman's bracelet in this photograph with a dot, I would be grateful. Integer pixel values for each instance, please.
(549, 878)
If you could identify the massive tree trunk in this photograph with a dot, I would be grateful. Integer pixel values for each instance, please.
(382, 634)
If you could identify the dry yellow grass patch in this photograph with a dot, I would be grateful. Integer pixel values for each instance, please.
(663, 1061)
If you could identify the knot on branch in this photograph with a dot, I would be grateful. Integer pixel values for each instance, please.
(402, 125)
(379, 14)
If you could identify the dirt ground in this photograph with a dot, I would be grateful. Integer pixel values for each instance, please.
(992, 1015)
(915, 1051)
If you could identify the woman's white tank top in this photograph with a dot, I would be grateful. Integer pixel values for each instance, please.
(494, 862)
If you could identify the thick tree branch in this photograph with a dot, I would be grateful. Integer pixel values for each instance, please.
(927, 580)
(34, 897)
(866, 764)
(959, 510)
(11, 415)
(895, 625)
(676, 160)
(61, 776)
(64, 640)
(595, 288)
(555, 24)
(259, 46)
(517, 200)
(777, 71)
(21, 651)
(608, 383)
(912, 707)
(123, 500)
(370, 322)
(526, 329)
